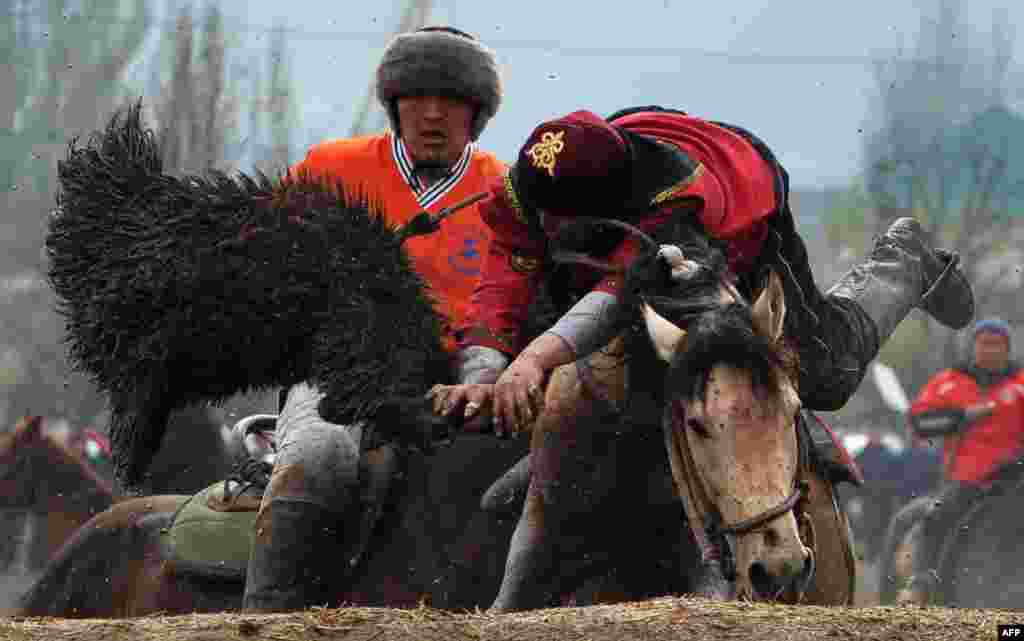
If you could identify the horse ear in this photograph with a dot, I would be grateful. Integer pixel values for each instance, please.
(769, 310)
(665, 335)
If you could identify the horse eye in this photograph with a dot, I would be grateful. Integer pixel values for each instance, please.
(698, 427)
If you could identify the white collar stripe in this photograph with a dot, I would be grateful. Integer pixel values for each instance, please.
(442, 187)
(404, 164)
(429, 196)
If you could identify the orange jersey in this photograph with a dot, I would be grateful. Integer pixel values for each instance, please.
(378, 168)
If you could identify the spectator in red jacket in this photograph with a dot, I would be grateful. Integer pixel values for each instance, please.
(977, 408)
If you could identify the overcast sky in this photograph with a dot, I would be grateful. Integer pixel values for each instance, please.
(798, 74)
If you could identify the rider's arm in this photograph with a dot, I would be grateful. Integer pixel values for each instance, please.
(945, 407)
(477, 364)
(589, 325)
(508, 284)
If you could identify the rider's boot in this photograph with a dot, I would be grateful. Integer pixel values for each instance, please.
(309, 513)
(839, 333)
(903, 272)
(288, 566)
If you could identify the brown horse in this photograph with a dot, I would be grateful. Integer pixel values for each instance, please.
(49, 489)
(433, 544)
(47, 486)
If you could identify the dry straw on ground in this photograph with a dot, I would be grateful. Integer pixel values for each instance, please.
(680, 619)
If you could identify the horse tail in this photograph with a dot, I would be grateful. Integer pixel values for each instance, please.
(91, 575)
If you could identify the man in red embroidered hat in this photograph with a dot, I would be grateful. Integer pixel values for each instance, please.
(649, 166)
(440, 88)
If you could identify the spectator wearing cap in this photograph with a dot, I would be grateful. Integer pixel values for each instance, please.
(977, 408)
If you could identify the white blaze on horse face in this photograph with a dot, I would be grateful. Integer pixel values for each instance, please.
(746, 455)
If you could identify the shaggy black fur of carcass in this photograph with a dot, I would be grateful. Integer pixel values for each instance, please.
(179, 291)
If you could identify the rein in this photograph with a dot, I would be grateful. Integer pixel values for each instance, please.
(754, 522)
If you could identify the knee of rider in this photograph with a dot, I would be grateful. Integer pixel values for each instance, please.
(307, 472)
(827, 389)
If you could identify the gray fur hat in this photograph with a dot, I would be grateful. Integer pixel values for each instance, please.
(440, 60)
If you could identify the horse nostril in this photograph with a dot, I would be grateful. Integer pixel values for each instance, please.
(760, 579)
(771, 538)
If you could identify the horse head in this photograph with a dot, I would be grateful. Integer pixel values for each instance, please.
(729, 401)
(730, 422)
(35, 467)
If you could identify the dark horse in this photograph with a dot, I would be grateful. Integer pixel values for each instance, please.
(980, 562)
(437, 546)
(433, 543)
(218, 286)
(214, 286)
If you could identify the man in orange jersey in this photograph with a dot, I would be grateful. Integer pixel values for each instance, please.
(440, 87)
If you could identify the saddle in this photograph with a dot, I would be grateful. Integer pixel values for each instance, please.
(211, 534)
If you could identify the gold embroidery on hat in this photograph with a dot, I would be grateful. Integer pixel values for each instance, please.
(679, 187)
(517, 208)
(544, 152)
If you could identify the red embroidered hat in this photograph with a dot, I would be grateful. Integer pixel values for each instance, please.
(574, 165)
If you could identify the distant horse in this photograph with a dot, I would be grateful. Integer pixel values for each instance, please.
(980, 563)
(46, 487)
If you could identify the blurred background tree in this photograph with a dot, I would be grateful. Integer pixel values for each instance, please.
(65, 69)
(942, 145)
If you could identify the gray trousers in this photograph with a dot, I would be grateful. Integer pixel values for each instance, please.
(317, 461)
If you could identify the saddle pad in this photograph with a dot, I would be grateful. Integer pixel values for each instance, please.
(208, 542)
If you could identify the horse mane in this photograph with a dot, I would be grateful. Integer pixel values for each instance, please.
(716, 333)
(726, 336)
